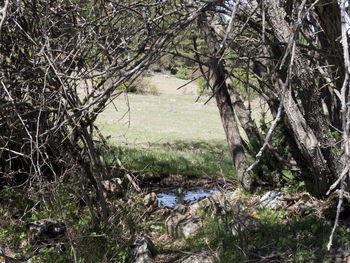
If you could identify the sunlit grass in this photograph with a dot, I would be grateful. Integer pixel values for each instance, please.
(186, 158)
(280, 238)
(167, 134)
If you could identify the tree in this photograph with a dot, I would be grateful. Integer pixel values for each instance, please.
(62, 64)
(292, 51)
(58, 77)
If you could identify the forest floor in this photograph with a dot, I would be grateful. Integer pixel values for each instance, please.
(171, 140)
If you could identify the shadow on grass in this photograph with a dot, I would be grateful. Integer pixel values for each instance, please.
(180, 157)
(278, 240)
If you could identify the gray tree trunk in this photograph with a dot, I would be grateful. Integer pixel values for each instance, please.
(224, 103)
(304, 115)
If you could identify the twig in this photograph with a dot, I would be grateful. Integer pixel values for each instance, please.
(222, 44)
(3, 14)
(278, 116)
(294, 33)
(342, 175)
(345, 118)
(340, 202)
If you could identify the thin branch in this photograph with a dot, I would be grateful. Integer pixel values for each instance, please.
(3, 12)
(279, 113)
(228, 30)
(340, 202)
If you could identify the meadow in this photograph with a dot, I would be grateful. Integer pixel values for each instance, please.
(169, 133)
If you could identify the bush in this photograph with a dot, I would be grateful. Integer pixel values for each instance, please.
(139, 86)
(183, 73)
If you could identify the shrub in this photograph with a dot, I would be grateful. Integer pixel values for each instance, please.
(183, 73)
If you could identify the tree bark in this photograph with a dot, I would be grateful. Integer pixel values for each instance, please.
(224, 102)
(304, 113)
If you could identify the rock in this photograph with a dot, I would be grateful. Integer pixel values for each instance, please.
(200, 257)
(217, 204)
(111, 186)
(44, 231)
(244, 223)
(272, 200)
(330, 205)
(143, 250)
(150, 200)
(183, 225)
(307, 208)
(181, 209)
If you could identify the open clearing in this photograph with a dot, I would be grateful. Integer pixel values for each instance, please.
(169, 133)
(171, 116)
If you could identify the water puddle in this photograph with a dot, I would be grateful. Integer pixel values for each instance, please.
(174, 197)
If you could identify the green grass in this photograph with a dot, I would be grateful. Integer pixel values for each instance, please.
(167, 134)
(281, 238)
(179, 157)
(160, 119)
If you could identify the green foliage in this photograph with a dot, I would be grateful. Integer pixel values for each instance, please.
(282, 238)
(270, 169)
(50, 255)
(62, 204)
(183, 73)
(202, 87)
(124, 87)
(240, 86)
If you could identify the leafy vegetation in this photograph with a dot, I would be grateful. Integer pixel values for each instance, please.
(281, 238)
(183, 73)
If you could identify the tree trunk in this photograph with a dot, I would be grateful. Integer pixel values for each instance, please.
(304, 113)
(224, 103)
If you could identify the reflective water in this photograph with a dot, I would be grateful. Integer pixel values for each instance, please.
(174, 197)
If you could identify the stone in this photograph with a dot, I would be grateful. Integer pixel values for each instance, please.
(306, 208)
(143, 250)
(244, 223)
(151, 200)
(183, 225)
(272, 200)
(181, 209)
(112, 185)
(44, 231)
(217, 204)
(200, 257)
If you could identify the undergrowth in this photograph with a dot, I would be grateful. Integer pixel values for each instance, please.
(281, 238)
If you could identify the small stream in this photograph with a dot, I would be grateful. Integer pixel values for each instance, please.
(176, 196)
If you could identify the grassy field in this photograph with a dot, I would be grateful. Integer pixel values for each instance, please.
(169, 133)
